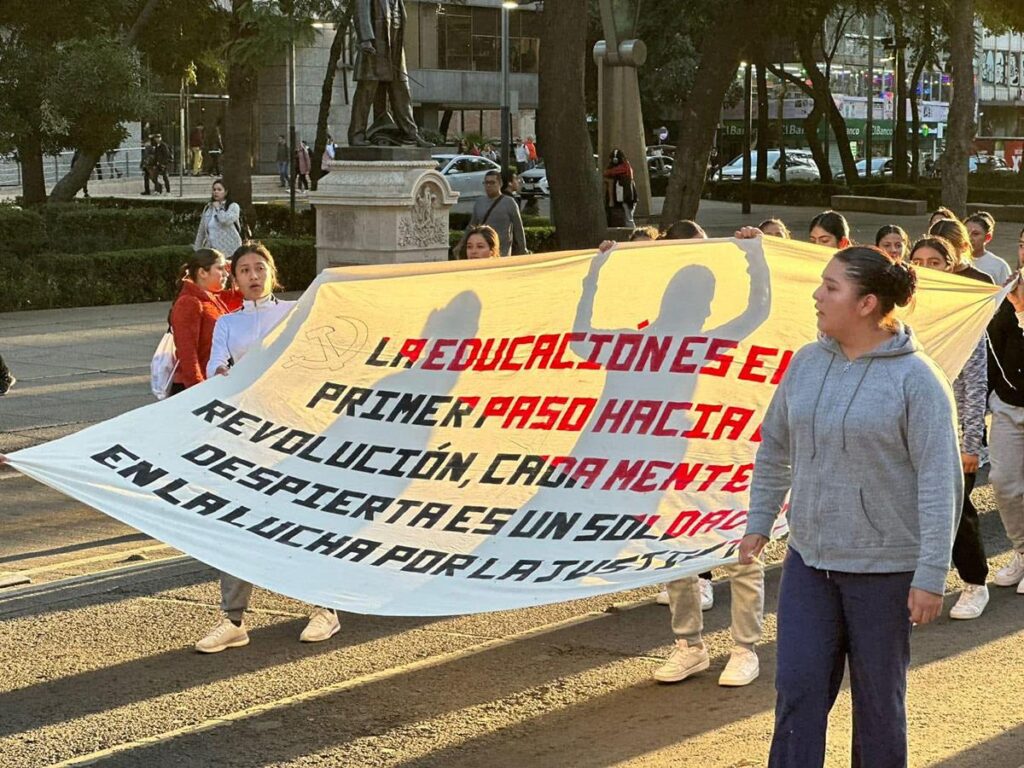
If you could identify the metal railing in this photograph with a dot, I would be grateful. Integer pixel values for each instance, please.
(121, 163)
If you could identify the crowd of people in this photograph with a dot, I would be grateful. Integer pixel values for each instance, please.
(875, 449)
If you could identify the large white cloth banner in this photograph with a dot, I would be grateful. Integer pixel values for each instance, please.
(434, 439)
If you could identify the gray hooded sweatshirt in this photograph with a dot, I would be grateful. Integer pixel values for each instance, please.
(868, 450)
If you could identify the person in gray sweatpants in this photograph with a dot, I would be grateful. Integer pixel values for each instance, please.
(690, 655)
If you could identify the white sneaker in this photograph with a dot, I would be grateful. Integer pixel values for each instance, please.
(685, 660)
(323, 624)
(224, 635)
(742, 668)
(662, 598)
(707, 594)
(1012, 573)
(972, 602)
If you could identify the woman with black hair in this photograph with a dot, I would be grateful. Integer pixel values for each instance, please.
(220, 225)
(830, 229)
(620, 190)
(893, 239)
(194, 314)
(862, 435)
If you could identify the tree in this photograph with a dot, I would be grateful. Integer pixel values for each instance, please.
(70, 78)
(718, 58)
(342, 20)
(576, 188)
(960, 125)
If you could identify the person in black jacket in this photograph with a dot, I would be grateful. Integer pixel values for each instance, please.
(163, 160)
(1006, 439)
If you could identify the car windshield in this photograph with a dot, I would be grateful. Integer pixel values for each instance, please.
(441, 161)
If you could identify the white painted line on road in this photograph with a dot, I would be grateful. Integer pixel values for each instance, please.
(345, 685)
(65, 564)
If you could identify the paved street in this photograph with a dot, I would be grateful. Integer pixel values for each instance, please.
(98, 666)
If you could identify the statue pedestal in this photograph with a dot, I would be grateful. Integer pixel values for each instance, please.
(381, 205)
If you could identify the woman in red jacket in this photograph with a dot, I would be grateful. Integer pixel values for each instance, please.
(194, 314)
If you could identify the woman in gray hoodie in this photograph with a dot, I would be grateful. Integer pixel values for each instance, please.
(862, 434)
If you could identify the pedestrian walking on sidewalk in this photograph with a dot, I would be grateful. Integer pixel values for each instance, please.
(220, 224)
(862, 434)
(282, 160)
(194, 314)
(255, 274)
(196, 140)
(620, 190)
(302, 166)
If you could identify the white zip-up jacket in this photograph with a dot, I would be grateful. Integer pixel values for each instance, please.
(236, 333)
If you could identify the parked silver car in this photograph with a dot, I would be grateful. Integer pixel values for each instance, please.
(465, 173)
(799, 166)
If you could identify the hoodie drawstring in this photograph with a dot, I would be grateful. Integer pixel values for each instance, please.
(852, 398)
(814, 413)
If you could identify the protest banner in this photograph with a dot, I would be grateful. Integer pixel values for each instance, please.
(432, 439)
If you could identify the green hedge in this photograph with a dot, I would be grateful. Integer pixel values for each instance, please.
(272, 219)
(766, 193)
(54, 280)
(22, 232)
(459, 221)
(73, 228)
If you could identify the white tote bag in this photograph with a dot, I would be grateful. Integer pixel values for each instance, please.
(163, 366)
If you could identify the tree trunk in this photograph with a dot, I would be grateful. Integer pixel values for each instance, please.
(899, 141)
(719, 58)
(327, 93)
(763, 129)
(960, 125)
(822, 94)
(237, 156)
(67, 187)
(812, 122)
(577, 201)
(33, 182)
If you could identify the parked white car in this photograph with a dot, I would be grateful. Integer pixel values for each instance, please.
(465, 173)
(799, 166)
(534, 182)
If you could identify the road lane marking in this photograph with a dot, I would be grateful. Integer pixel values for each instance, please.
(65, 564)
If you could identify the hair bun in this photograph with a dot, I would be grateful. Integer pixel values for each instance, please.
(904, 278)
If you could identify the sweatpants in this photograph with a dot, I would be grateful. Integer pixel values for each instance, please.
(968, 551)
(235, 595)
(826, 619)
(746, 583)
(1006, 452)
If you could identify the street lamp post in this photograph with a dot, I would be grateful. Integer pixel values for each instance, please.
(506, 115)
(871, 97)
(291, 112)
(747, 127)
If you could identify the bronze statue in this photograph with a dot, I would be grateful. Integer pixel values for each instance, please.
(382, 80)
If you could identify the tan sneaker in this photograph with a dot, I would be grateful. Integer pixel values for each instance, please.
(224, 635)
(323, 625)
(685, 660)
(741, 669)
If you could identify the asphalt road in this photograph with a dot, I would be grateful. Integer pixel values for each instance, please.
(97, 666)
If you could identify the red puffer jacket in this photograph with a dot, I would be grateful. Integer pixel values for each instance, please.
(193, 316)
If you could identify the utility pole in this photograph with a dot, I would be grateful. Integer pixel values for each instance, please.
(506, 113)
(292, 147)
(871, 96)
(747, 107)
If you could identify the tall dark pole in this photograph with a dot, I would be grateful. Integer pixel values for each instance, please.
(293, 161)
(506, 115)
(746, 136)
(871, 96)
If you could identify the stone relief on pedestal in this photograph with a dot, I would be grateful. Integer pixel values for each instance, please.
(425, 225)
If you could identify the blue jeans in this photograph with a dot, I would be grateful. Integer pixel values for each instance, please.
(825, 619)
(282, 171)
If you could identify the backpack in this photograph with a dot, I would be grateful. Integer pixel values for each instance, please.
(163, 366)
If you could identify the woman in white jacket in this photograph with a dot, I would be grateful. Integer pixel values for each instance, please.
(255, 275)
(220, 226)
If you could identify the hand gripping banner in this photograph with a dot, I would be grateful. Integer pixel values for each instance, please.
(433, 439)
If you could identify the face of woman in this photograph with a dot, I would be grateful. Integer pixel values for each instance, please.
(213, 279)
(929, 258)
(821, 236)
(1020, 250)
(253, 277)
(893, 245)
(219, 193)
(836, 300)
(477, 247)
(772, 229)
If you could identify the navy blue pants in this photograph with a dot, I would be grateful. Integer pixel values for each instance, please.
(827, 618)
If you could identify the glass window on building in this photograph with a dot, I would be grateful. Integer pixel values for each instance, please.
(470, 39)
(454, 36)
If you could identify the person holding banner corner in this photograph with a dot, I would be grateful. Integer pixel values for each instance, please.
(255, 274)
(862, 435)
